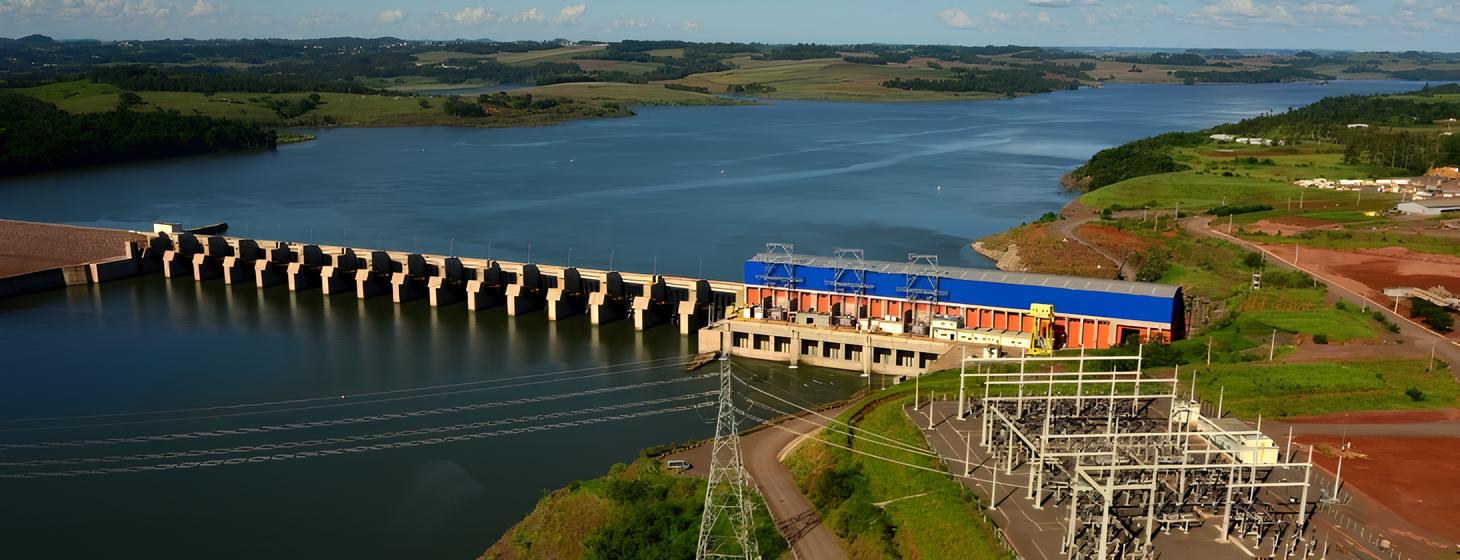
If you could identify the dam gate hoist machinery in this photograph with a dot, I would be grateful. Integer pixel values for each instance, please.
(1041, 339)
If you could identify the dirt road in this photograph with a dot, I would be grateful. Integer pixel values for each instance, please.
(762, 452)
(1415, 333)
(1074, 215)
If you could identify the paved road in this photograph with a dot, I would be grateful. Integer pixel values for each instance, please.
(1417, 334)
(763, 451)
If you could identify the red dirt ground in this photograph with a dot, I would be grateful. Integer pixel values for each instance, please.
(1380, 417)
(1369, 271)
(1416, 477)
(1115, 240)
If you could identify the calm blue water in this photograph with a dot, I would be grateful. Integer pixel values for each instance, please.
(684, 189)
(679, 185)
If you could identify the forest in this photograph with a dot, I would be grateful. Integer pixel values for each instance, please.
(1002, 81)
(1324, 121)
(35, 136)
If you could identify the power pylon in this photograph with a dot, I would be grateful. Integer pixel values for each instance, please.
(725, 528)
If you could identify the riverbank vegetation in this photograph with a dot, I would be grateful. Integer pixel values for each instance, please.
(1364, 135)
(393, 67)
(637, 510)
(36, 136)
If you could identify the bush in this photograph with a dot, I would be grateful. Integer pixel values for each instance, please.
(1252, 260)
(1154, 264)
(1320, 338)
(1047, 217)
(1436, 317)
(1415, 394)
(1229, 209)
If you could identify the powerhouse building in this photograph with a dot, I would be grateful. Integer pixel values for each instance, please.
(919, 297)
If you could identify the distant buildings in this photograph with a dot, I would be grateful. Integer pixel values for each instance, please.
(1249, 141)
(1358, 125)
(1431, 207)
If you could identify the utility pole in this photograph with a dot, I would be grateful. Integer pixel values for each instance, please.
(728, 494)
(1272, 346)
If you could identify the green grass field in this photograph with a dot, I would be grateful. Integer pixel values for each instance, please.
(560, 54)
(631, 94)
(827, 79)
(437, 57)
(931, 514)
(1207, 184)
(344, 109)
(1277, 390)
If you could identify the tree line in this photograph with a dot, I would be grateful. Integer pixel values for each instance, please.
(1001, 81)
(36, 136)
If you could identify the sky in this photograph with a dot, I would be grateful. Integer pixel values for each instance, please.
(1321, 24)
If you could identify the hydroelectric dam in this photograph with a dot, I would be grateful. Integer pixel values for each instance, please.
(843, 312)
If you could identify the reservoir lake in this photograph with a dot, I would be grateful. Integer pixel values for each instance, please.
(677, 190)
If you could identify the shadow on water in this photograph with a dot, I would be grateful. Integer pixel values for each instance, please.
(156, 344)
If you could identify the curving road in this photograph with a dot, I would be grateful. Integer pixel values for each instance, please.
(762, 452)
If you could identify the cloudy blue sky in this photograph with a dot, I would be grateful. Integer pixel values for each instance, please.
(1337, 24)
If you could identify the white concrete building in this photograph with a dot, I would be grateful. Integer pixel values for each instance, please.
(1431, 207)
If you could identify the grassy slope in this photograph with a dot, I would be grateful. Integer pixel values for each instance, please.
(346, 109)
(560, 527)
(560, 54)
(826, 79)
(1303, 389)
(1205, 186)
(944, 522)
(634, 94)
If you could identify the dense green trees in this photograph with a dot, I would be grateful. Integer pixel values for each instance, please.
(1004, 81)
(1148, 156)
(1268, 75)
(211, 79)
(1436, 317)
(36, 136)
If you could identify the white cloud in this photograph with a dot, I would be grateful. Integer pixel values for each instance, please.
(202, 8)
(956, 18)
(1062, 3)
(1343, 13)
(1162, 10)
(321, 19)
(532, 15)
(1312, 13)
(626, 22)
(1042, 17)
(571, 14)
(470, 15)
(17, 6)
(690, 26)
(387, 17)
(146, 9)
(999, 15)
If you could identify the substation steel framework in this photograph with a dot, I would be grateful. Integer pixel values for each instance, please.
(1123, 453)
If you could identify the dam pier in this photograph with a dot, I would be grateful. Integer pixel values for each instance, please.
(561, 292)
(842, 312)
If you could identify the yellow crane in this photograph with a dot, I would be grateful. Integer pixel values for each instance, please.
(1041, 339)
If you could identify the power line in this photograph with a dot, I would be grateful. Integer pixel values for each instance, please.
(328, 406)
(350, 450)
(338, 421)
(345, 439)
(888, 459)
(317, 399)
(892, 442)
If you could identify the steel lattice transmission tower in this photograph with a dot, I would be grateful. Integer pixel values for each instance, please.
(725, 528)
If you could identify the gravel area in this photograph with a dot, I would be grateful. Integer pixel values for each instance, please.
(29, 246)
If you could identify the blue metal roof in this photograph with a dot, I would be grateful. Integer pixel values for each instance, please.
(1072, 295)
